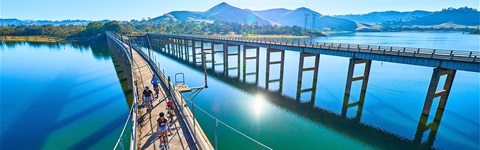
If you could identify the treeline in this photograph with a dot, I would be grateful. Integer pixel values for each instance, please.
(126, 28)
(67, 31)
(475, 30)
(221, 28)
(425, 29)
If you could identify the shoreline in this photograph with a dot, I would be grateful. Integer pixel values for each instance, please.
(48, 39)
(43, 39)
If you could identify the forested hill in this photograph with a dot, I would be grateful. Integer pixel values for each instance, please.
(451, 17)
(379, 17)
(224, 12)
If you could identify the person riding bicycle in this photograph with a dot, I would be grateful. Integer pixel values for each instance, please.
(155, 82)
(147, 98)
(162, 128)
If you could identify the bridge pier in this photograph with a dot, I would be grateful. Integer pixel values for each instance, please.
(350, 80)
(257, 60)
(177, 48)
(443, 94)
(194, 52)
(227, 55)
(281, 62)
(215, 52)
(174, 47)
(184, 49)
(206, 51)
(187, 50)
(169, 46)
(301, 69)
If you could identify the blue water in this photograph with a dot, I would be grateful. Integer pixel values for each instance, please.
(59, 96)
(69, 96)
(388, 120)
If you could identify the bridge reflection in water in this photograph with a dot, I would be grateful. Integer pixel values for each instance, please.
(192, 53)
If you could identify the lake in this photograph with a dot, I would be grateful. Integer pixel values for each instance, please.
(71, 96)
(59, 96)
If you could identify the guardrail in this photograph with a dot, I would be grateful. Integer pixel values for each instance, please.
(133, 113)
(442, 54)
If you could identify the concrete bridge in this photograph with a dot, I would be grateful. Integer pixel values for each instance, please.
(444, 62)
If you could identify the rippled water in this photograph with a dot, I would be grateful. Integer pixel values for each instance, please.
(392, 106)
(59, 96)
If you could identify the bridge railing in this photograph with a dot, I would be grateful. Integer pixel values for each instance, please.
(443, 54)
(132, 119)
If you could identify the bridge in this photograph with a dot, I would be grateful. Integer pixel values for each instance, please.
(186, 49)
(445, 62)
(182, 48)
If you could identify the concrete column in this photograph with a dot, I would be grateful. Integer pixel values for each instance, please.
(212, 46)
(269, 63)
(282, 68)
(238, 61)
(443, 94)
(366, 74)
(300, 75)
(168, 46)
(225, 59)
(194, 52)
(267, 70)
(202, 51)
(257, 64)
(364, 77)
(351, 68)
(244, 63)
(186, 50)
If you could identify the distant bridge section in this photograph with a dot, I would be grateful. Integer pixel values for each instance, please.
(446, 59)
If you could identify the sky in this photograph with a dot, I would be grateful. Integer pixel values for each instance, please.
(143, 9)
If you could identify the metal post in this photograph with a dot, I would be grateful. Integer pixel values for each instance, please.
(204, 67)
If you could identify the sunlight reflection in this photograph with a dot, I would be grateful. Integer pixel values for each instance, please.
(258, 105)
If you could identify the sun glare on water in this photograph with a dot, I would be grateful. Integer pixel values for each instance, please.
(258, 105)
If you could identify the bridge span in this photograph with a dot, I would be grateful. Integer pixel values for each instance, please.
(444, 62)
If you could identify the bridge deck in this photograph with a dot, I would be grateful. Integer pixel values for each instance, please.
(146, 139)
(448, 59)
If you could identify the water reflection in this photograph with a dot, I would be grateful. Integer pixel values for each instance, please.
(100, 51)
(344, 123)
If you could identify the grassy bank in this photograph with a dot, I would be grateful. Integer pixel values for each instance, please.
(31, 38)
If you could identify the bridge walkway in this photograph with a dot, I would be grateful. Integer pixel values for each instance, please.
(147, 128)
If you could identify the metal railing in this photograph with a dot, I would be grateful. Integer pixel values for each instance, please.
(442, 54)
(179, 101)
(133, 113)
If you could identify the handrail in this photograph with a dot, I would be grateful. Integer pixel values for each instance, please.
(442, 54)
(134, 107)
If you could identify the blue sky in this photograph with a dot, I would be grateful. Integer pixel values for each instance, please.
(138, 9)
